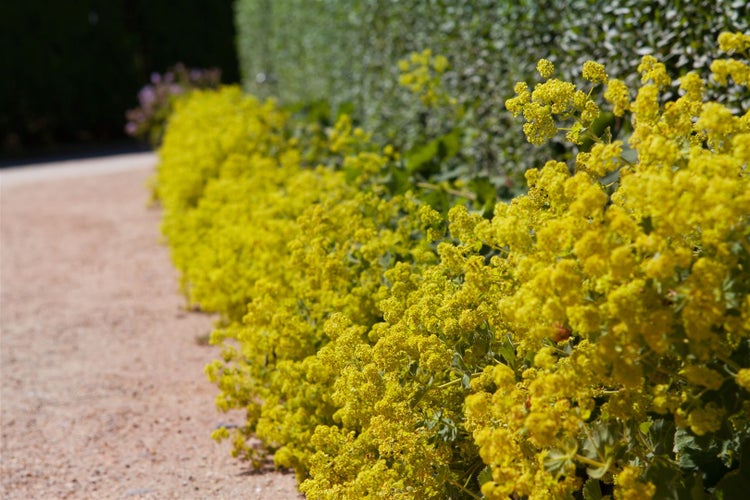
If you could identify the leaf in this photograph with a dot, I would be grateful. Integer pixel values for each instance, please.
(557, 462)
(485, 192)
(602, 440)
(426, 158)
(700, 454)
(736, 483)
(592, 490)
(670, 481)
(421, 155)
(508, 352)
(599, 472)
(660, 436)
(647, 224)
(485, 476)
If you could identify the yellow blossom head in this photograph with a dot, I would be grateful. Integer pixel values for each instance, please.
(545, 68)
(594, 72)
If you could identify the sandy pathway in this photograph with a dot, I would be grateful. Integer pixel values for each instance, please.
(102, 389)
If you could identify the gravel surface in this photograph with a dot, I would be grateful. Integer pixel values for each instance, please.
(102, 391)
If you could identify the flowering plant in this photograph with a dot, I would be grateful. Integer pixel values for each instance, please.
(156, 100)
(590, 337)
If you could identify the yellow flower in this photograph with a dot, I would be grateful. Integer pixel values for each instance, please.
(651, 69)
(628, 485)
(602, 159)
(542, 428)
(545, 68)
(702, 376)
(705, 419)
(723, 69)
(743, 378)
(523, 96)
(693, 86)
(440, 63)
(594, 72)
(646, 105)
(559, 96)
(545, 358)
(618, 94)
(539, 125)
(734, 42)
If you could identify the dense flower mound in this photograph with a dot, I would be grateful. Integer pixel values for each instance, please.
(625, 297)
(590, 337)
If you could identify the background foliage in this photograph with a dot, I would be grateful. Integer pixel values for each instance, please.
(71, 69)
(346, 52)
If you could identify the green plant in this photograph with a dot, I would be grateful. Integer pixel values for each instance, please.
(348, 53)
(588, 338)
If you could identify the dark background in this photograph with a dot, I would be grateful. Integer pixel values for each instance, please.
(70, 69)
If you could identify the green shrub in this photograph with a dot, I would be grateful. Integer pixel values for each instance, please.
(347, 52)
(589, 337)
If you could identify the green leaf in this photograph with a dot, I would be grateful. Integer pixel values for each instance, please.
(485, 192)
(660, 436)
(508, 352)
(557, 462)
(647, 224)
(426, 158)
(421, 155)
(701, 454)
(599, 472)
(485, 476)
(669, 480)
(592, 490)
(736, 483)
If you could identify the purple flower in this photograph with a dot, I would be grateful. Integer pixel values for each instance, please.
(147, 96)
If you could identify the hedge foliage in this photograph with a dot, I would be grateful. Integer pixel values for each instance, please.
(346, 52)
(587, 338)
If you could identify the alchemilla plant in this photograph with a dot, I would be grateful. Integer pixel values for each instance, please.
(590, 338)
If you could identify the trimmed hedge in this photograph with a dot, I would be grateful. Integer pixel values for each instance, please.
(590, 337)
(347, 52)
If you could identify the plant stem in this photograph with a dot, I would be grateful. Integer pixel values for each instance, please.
(464, 194)
(588, 461)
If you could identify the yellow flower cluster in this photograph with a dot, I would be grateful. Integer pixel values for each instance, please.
(206, 189)
(295, 260)
(629, 300)
(594, 72)
(734, 42)
(556, 98)
(421, 73)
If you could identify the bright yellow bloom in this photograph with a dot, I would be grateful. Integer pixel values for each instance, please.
(594, 72)
(651, 69)
(618, 94)
(705, 419)
(545, 68)
(743, 378)
(734, 42)
(628, 485)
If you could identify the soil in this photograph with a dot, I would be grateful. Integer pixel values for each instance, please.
(103, 393)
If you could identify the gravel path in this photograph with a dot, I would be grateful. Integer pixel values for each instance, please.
(102, 390)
